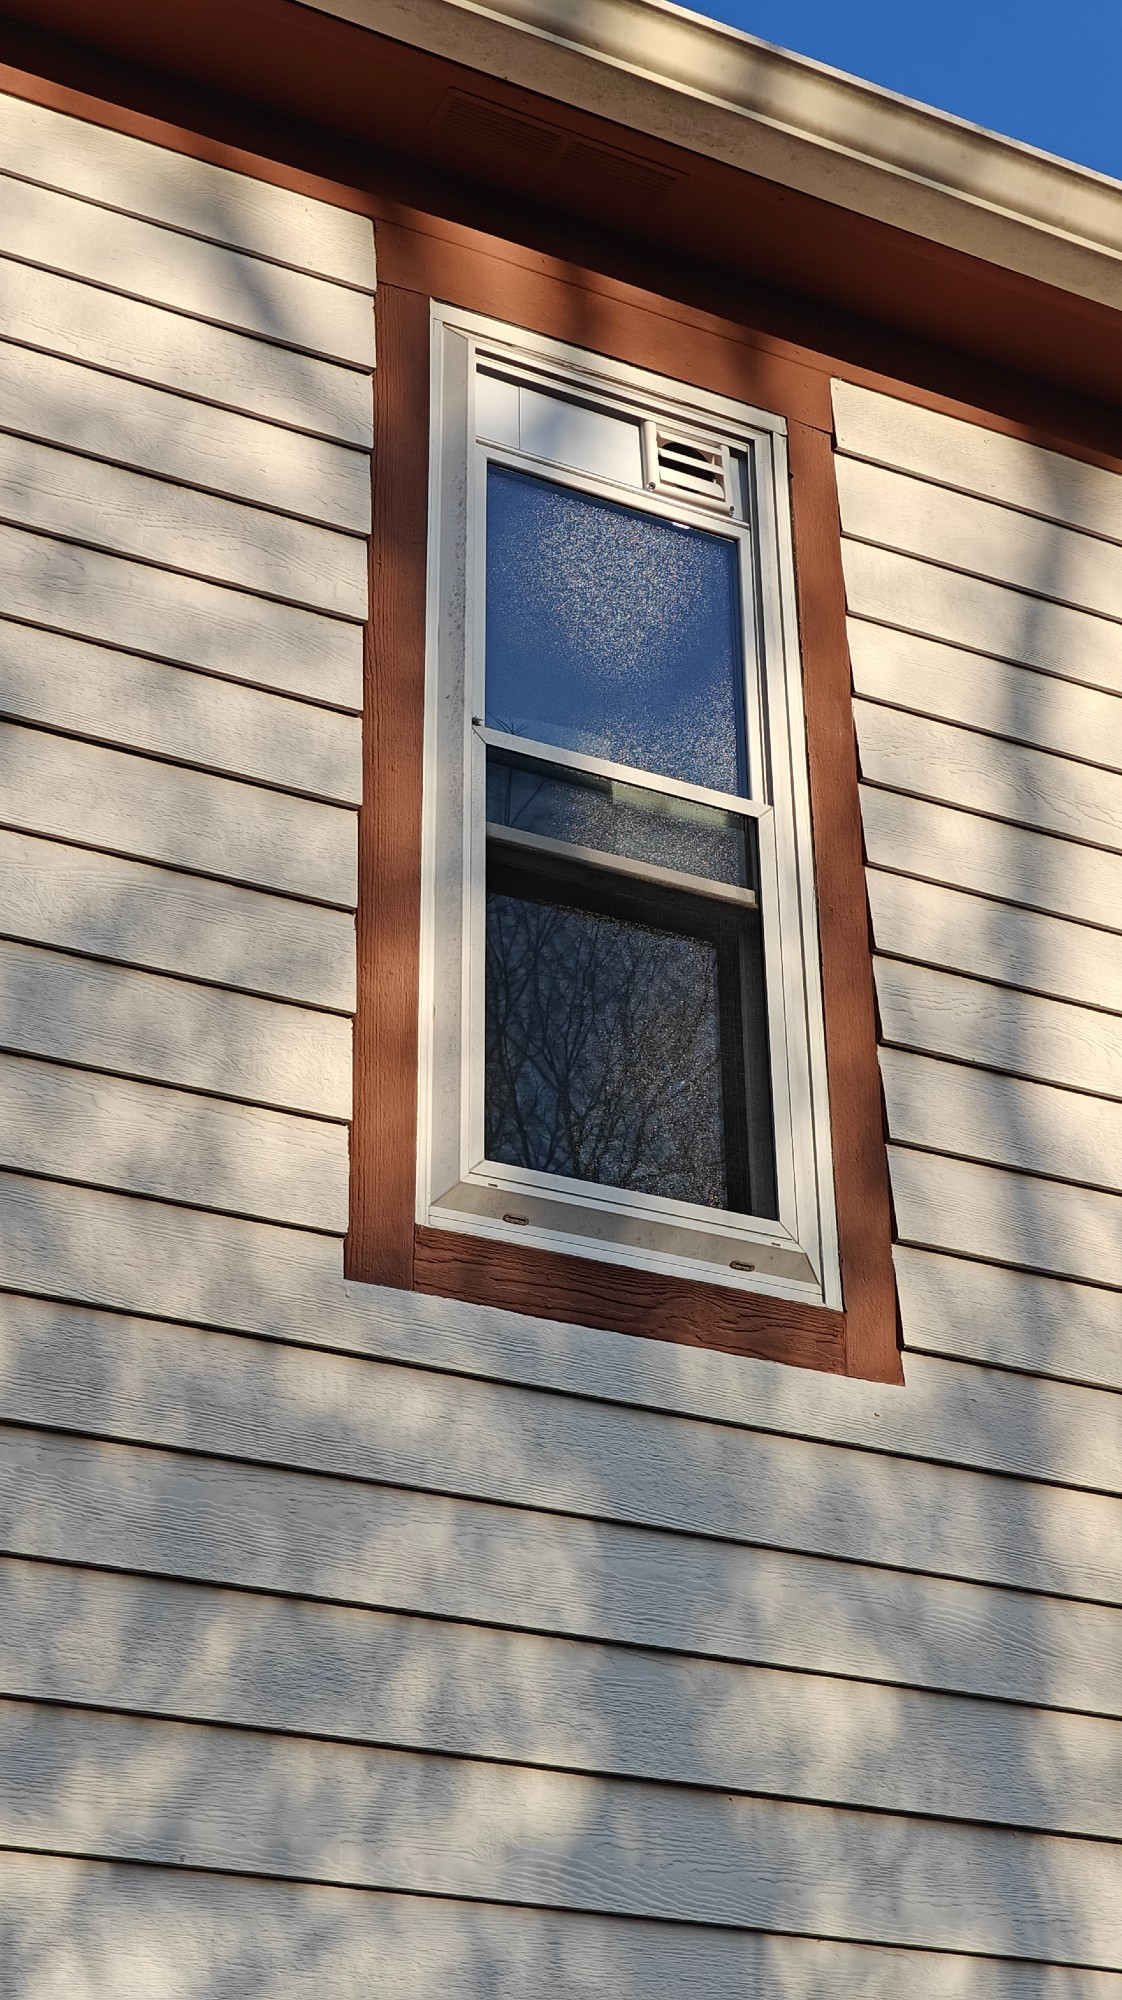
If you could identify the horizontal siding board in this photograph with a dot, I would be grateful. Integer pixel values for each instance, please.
(367, 1420)
(1004, 546)
(935, 1013)
(997, 941)
(1014, 703)
(969, 1417)
(99, 1248)
(206, 1655)
(976, 460)
(963, 851)
(170, 187)
(269, 465)
(144, 1139)
(979, 1114)
(960, 767)
(203, 280)
(125, 1788)
(144, 609)
(132, 1930)
(1069, 1432)
(965, 1416)
(155, 811)
(1018, 1219)
(108, 1017)
(989, 618)
(69, 1499)
(80, 322)
(158, 521)
(132, 703)
(73, 1242)
(154, 918)
(1012, 1319)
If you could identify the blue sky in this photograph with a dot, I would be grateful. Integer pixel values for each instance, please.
(1047, 71)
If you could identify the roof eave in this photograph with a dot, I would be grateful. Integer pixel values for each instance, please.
(713, 91)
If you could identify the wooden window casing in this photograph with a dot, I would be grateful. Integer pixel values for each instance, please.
(386, 1245)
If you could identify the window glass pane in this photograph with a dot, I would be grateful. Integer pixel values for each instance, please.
(603, 1057)
(613, 632)
(625, 1038)
(617, 818)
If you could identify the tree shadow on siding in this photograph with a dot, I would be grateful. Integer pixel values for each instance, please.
(249, 1567)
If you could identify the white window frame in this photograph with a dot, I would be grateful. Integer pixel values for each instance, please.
(795, 1257)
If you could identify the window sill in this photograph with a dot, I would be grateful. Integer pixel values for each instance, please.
(580, 1292)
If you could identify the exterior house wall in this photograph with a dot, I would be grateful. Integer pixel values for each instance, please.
(358, 1642)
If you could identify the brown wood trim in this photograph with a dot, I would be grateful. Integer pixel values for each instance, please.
(581, 1291)
(861, 1184)
(384, 1131)
(383, 1245)
(471, 267)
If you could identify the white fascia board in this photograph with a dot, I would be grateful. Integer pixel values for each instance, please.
(712, 90)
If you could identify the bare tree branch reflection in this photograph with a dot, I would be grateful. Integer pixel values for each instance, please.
(603, 1050)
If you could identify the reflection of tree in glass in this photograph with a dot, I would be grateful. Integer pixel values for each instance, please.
(603, 1056)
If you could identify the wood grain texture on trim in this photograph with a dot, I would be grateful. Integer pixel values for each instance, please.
(857, 1129)
(553, 295)
(582, 1291)
(384, 1135)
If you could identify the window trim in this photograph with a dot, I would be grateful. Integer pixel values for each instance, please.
(795, 1257)
(384, 1244)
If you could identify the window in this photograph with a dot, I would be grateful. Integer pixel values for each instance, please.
(621, 1020)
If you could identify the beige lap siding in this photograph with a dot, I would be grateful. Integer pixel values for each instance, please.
(130, 1931)
(185, 423)
(993, 812)
(354, 1642)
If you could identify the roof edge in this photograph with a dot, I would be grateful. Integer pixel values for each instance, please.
(713, 90)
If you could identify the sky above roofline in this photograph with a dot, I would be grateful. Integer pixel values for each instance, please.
(1048, 76)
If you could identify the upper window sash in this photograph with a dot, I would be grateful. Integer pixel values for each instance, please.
(741, 535)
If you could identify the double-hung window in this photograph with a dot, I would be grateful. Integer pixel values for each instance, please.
(621, 1018)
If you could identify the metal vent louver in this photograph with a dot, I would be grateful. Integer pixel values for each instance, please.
(687, 468)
